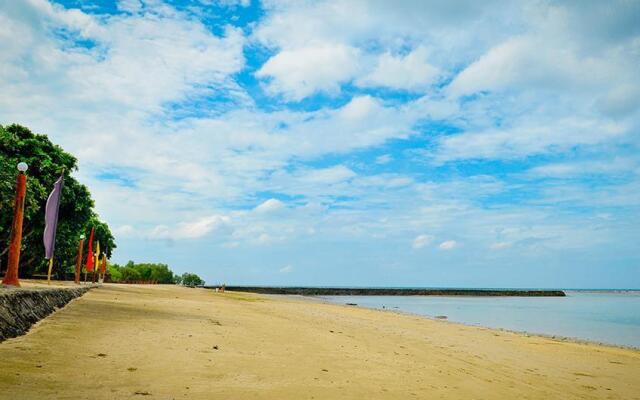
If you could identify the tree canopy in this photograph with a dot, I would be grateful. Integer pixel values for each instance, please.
(46, 162)
(148, 272)
(190, 279)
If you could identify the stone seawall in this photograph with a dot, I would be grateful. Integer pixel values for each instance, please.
(311, 291)
(21, 308)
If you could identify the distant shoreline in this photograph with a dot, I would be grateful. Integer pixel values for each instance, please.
(337, 291)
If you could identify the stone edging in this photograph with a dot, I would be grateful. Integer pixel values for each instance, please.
(21, 308)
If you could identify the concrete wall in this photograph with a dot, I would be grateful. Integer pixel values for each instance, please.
(318, 291)
(21, 308)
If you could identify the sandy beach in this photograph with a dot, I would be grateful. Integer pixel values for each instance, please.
(168, 342)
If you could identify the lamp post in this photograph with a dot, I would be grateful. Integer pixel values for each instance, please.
(79, 260)
(11, 276)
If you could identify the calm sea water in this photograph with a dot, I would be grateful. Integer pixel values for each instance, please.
(602, 316)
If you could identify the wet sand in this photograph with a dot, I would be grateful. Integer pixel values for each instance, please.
(167, 342)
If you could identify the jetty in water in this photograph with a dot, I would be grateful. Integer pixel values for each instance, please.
(337, 291)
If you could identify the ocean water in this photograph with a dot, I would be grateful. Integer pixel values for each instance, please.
(602, 316)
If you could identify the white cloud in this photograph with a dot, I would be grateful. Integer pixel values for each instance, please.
(500, 245)
(190, 230)
(298, 73)
(448, 245)
(130, 5)
(421, 241)
(124, 230)
(338, 173)
(265, 238)
(286, 269)
(384, 159)
(528, 137)
(269, 206)
(618, 165)
(410, 72)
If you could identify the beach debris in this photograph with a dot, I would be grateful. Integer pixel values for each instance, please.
(215, 347)
(213, 321)
(141, 393)
(131, 369)
(325, 370)
(352, 304)
(101, 355)
(440, 317)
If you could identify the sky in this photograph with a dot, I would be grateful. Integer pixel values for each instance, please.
(352, 143)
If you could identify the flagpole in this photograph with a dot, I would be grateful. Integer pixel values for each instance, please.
(95, 267)
(49, 273)
(11, 276)
(79, 260)
(89, 265)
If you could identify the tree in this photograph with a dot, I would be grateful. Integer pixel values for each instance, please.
(191, 280)
(148, 272)
(46, 162)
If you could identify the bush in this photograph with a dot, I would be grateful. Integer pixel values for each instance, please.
(191, 280)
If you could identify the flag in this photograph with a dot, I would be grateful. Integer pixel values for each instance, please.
(51, 218)
(103, 266)
(89, 265)
(97, 254)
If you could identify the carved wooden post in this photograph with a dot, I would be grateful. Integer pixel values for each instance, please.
(11, 277)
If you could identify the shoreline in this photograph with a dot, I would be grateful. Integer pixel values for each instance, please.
(165, 342)
(559, 338)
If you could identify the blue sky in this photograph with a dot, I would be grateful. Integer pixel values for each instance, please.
(408, 143)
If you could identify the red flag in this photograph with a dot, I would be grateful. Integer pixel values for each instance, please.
(103, 266)
(89, 265)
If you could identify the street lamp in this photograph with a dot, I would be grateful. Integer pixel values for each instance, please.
(11, 276)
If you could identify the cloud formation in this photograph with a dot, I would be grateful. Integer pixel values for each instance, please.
(270, 132)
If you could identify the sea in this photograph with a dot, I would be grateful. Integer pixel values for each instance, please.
(604, 316)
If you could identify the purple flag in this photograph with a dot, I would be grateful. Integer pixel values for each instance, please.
(51, 218)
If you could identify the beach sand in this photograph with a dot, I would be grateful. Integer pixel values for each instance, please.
(168, 342)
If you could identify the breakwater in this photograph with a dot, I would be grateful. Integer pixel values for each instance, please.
(21, 308)
(329, 291)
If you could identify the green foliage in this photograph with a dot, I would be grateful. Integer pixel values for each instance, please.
(189, 279)
(114, 272)
(149, 272)
(103, 235)
(46, 162)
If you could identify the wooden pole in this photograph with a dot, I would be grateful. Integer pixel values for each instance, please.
(79, 260)
(49, 272)
(95, 267)
(11, 276)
